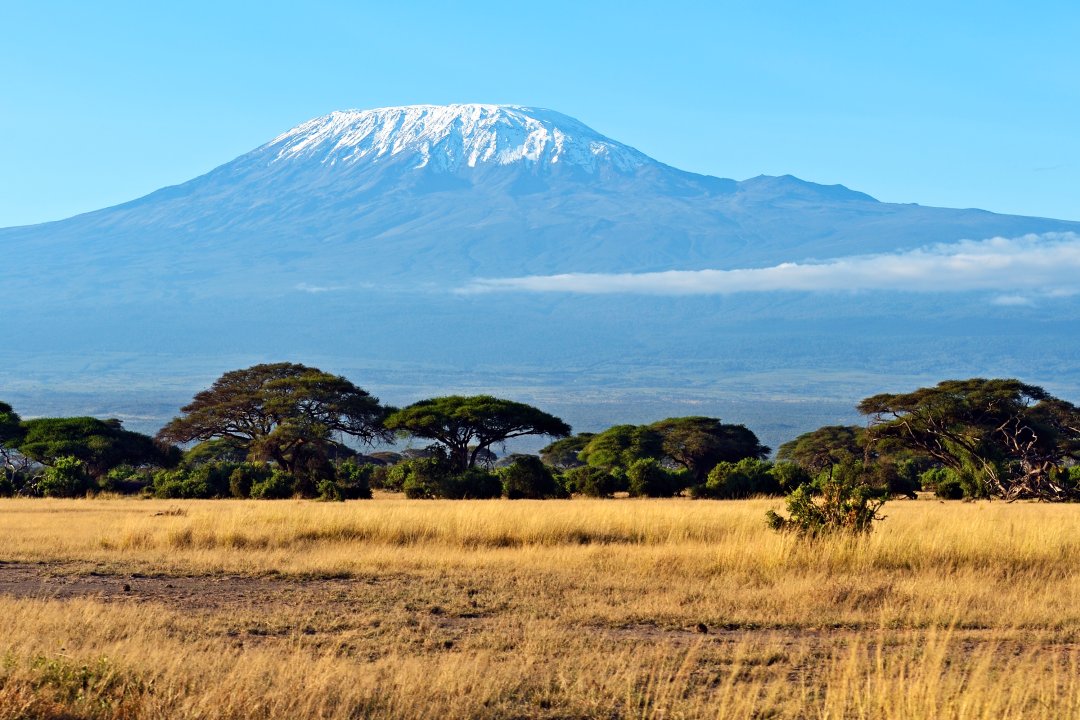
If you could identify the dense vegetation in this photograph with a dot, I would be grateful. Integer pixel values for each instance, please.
(284, 430)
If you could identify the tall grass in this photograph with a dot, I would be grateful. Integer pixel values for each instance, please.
(630, 608)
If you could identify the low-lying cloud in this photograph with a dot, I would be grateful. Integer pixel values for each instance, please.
(1043, 265)
(315, 289)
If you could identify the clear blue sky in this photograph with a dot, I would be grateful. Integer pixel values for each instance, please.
(959, 104)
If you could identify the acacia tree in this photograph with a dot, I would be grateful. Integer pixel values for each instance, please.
(99, 445)
(1015, 437)
(285, 412)
(823, 448)
(468, 426)
(11, 432)
(563, 453)
(620, 446)
(700, 443)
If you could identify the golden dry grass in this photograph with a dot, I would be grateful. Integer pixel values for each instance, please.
(396, 608)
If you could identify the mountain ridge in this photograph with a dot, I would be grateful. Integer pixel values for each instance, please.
(304, 259)
(319, 206)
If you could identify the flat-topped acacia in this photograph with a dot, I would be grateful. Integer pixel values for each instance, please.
(283, 412)
(468, 425)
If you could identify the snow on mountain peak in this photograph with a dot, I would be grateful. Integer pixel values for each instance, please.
(448, 137)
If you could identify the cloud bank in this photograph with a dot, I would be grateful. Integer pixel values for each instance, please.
(1047, 264)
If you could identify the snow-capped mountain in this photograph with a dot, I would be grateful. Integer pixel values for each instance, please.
(451, 136)
(442, 194)
(347, 236)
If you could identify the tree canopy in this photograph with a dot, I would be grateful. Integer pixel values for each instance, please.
(99, 444)
(620, 446)
(695, 443)
(11, 431)
(823, 448)
(700, 443)
(1012, 436)
(563, 453)
(285, 412)
(468, 425)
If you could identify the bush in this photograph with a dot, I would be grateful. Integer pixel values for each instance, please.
(944, 482)
(179, 484)
(218, 450)
(907, 478)
(421, 477)
(67, 477)
(473, 484)
(951, 485)
(126, 480)
(431, 478)
(329, 490)
(647, 478)
(278, 486)
(845, 504)
(380, 478)
(743, 479)
(216, 476)
(351, 482)
(244, 476)
(528, 477)
(591, 481)
(789, 476)
(1074, 475)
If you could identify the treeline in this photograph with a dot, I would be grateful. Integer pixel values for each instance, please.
(286, 430)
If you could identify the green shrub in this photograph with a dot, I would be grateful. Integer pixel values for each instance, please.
(216, 476)
(244, 476)
(743, 479)
(431, 478)
(907, 479)
(421, 477)
(528, 477)
(278, 486)
(351, 482)
(380, 478)
(126, 480)
(590, 481)
(789, 475)
(179, 484)
(329, 490)
(846, 503)
(648, 478)
(66, 477)
(219, 450)
(945, 483)
(950, 488)
(473, 484)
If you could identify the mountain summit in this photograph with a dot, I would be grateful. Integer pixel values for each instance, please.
(447, 137)
(439, 195)
(347, 236)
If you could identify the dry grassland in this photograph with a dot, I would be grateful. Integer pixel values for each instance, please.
(119, 608)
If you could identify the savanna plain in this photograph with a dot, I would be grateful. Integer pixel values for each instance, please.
(583, 608)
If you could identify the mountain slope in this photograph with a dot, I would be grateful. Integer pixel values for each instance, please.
(339, 243)
(440, 194)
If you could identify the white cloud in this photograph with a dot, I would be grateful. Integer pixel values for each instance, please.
(1012, 300)
(304, 287)
(1046, 264)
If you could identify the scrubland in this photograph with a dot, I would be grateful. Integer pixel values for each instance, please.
(124, 608)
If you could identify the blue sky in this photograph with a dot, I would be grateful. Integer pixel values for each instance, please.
(976, 104)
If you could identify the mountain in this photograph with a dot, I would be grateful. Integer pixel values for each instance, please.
(430, 193)
(343, 239)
